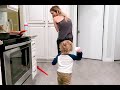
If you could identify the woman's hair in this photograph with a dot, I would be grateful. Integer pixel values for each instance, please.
(66, 46)
(59, 11)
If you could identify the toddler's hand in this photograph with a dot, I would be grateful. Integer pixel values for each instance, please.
(77, 49)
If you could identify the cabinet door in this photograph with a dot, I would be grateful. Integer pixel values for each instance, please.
(39, 40)
(52, 45)
(35, 13)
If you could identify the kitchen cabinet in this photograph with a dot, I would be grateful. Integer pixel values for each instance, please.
(52, 46)
(9, 8)
(34, 59)
(35, 14)
(40, 23)
(40, 41)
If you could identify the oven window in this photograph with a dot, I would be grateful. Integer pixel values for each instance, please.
(19, 62)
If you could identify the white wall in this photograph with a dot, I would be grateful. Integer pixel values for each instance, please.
(117, 38)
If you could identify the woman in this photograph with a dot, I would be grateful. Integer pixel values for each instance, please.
(62, 24)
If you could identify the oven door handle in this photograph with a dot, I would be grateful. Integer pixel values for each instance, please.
(17, 45)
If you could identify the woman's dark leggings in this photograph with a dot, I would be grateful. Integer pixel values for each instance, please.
(58, 43)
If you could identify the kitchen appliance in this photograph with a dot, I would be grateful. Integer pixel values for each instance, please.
(15, 60)
(12, 34)
(4, 36)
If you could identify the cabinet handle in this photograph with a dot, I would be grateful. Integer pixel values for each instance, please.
(33, 56)
(34, 70)
(33, 44)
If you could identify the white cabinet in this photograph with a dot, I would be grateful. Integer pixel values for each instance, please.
(40, 41)
(52, 45)
(34, 59)
(8, 8)
(41, 24)
(35, 13)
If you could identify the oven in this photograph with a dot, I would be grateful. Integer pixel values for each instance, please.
(17, 63)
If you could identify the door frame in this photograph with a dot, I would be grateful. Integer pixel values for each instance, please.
(106, 25)
(102, 30)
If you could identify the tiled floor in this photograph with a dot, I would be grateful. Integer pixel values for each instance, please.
(85, 72)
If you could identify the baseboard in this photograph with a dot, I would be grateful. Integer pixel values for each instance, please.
(44, 60)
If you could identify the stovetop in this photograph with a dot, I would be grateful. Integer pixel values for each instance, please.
(11, 41)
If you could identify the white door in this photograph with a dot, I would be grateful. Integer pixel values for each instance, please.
(40, 40)
(90, 26)
(35, 13)
(52, 45)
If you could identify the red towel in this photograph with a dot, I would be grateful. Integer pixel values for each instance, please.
(42, 70)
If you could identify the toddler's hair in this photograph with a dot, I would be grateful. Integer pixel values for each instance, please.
(66, 46)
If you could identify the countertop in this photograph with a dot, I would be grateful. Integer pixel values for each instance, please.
(33, 36)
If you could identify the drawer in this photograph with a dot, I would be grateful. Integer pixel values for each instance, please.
(34, 57)
(33, 43)
(33, 39)
(33, 54)
(34, 64)
(33, 49)
(34, 60)
(34, 68)
(34, 73)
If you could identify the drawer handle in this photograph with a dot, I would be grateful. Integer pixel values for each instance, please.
(33, 56)
(33, 43)
(34, 70)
